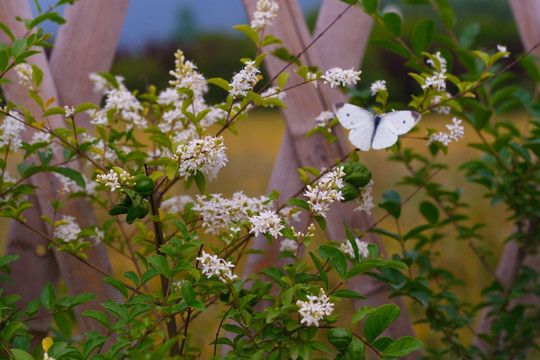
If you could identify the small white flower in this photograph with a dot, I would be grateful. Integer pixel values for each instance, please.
(213, 265)
(313, 78)
(442, 62)
(274, 92)
(379, 85)
(126, 108)
(441, 109)
(101, 85)
(176, 203)
(11, 127)
(268, 222)
(288, 245)
(24, 71)
(502, 49)
(313, 310)
(206, 155)
(326, 191)
(365, 199)
(337, 76)
(47, 357)
(457, 132)
(324, 118)
(187, 76)
(110, 180)
(70, 111)
(68, 231)
(244, 80)
(437, 81)
(266, 11)
(347, 248)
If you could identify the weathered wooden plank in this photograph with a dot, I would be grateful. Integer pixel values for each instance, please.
(527, 17)
(70, 58)
(302, 108)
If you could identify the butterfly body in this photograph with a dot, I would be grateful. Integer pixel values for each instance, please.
(374, 131)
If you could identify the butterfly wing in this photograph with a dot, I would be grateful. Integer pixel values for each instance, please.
(351, 115)
(391, 125)
(360, 121)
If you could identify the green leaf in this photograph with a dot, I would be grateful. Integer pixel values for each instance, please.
(71, 301)
(422, 36)
(117, 284)
(99, 316)
(392, 203)
(8, 32)
(344, 293)
(320, 269)
(4, 60)
(54, 111)
(6, 259)
(86, 106)
(222, 83)
(352, 241)
(321, 221)
(160, 264)
(248, 30)
(379, 320)
(370, 6)
(9, 330)
(429, 211)
(392, 22)
(361, 313)
(335, 257)
(269, 40)
(402, 347)
(299, 202)
(468, 35)
(392, 46)
(37, 75)
(369, 264)
(200, 181)
(72, 174)
(188, 293)
(48, 297)
(18, 47)
(446, 13)
(282, 79)
(19, 354)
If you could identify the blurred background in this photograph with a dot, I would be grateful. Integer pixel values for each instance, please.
(203, 30)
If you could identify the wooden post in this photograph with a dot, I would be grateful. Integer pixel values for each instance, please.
(527, 18)
(303, 106)
(77, 53)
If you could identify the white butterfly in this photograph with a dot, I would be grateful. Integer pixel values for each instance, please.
(374, 131)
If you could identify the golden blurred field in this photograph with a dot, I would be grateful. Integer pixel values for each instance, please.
(251, 158)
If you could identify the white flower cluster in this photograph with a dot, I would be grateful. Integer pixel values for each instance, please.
(313, 310)
(326, 191)
(441, 109)
(266, 11)
(456, 132)
(244, 80)
(213, 265)
(267, 222)
(101, 85)
(365, 199)
(337, 76)
(100, 150)
(11, 128)
(68, 231)
(502, 49)
(288, 245)
(379, 85)
(125, 105)
(217, 212)
(176, 203)
(324, 118)
(69, 186)
(311, 76)
(347, 248)
(187, 76)
(206, 155)
(110, 180)
(24, 72)
(274, 92)
(70, 110)
(438, 80)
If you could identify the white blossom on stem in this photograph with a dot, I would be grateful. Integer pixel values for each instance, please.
(337, 76)
(326, 191)
(324, 118)
(267, 222)
(110, 180)
(456, 132)
(379, 85)
(346, 248)
(266, 11)
(244, 80)
(206, 155)
(187, 76)
(314, 309)
(24, 72)
(288, 245)
(11, 128)
(213, 265)
(365, 199)
(176, 204)
(69, 230)
(502, 49)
